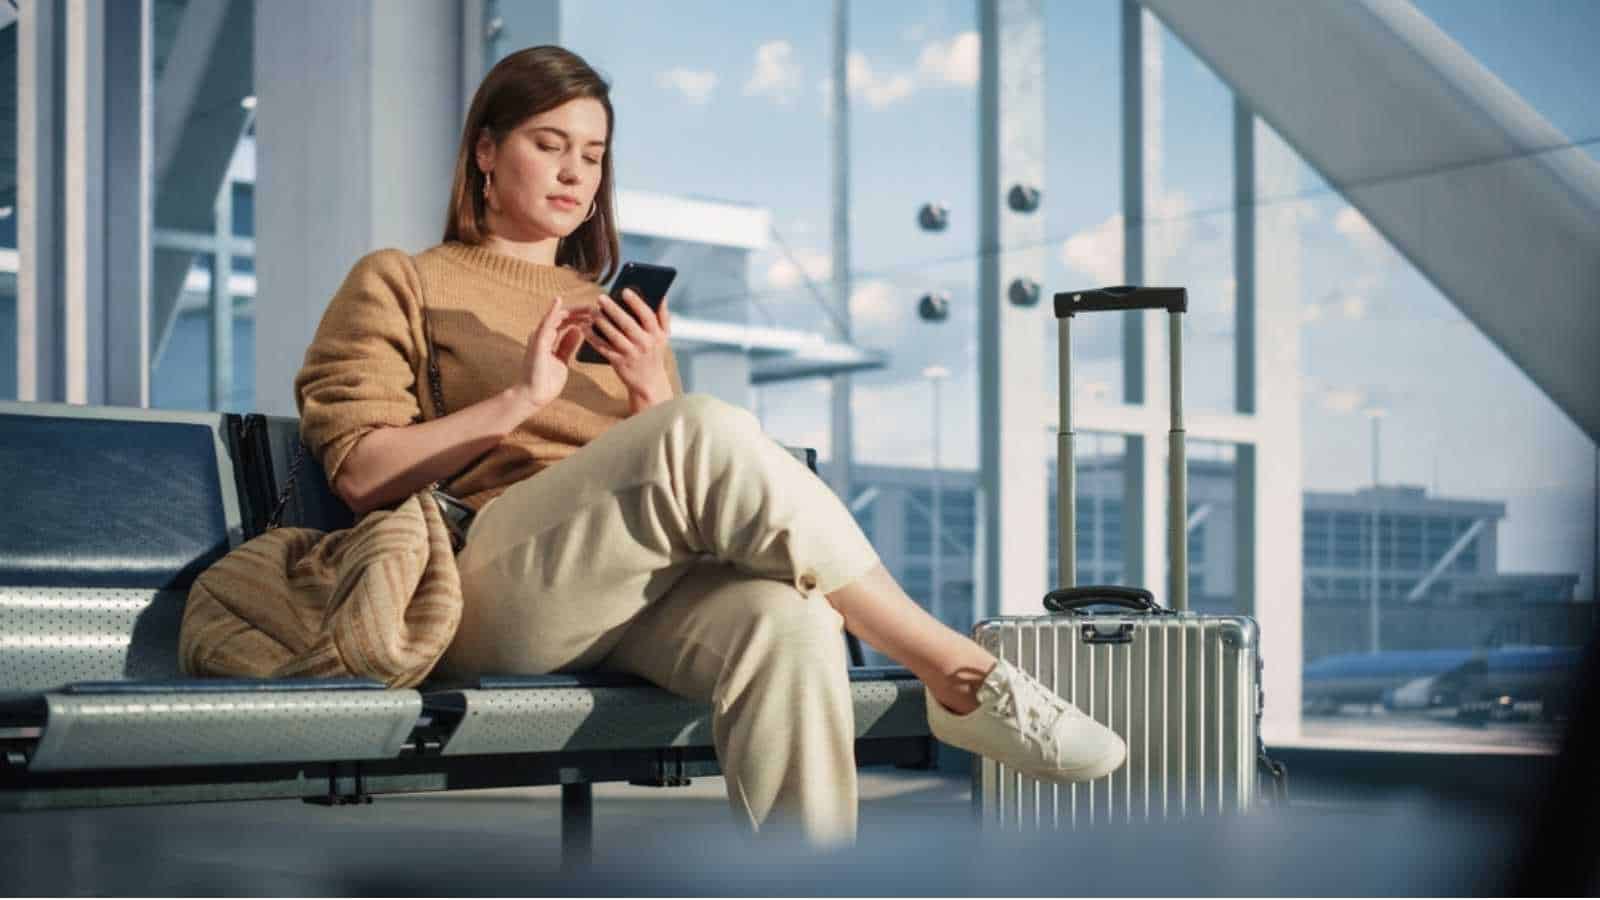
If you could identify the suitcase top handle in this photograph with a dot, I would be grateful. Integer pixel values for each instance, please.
(1125, 296)
(1074, 599)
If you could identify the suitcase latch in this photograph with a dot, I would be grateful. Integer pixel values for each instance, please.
(1108, 633)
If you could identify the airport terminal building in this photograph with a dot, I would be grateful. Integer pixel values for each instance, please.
(1436, 564)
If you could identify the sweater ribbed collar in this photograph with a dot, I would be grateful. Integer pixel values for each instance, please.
(518, 273)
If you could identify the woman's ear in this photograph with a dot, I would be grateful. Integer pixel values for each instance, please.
(484, 151)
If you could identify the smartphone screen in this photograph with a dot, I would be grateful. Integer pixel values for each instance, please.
(649, 281)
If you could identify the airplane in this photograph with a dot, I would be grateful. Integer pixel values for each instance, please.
(1427, 679)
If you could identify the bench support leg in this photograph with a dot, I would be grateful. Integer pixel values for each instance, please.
(577, 825)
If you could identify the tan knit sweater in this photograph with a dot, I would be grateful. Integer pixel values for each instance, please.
(367, 367)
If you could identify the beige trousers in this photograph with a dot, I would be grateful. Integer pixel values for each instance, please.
(686, 546)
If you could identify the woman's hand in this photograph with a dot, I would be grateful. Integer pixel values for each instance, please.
(555, 340)
(636, 348)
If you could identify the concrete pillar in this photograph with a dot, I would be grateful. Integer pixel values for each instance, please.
(359, 109)
(1275, 476)
(83, 218)
(1012, 443)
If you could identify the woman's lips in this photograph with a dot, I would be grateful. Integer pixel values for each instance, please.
(563, 203)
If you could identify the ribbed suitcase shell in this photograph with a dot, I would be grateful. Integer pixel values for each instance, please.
(1183, 691)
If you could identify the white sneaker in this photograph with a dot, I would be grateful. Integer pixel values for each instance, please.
(1021, 723)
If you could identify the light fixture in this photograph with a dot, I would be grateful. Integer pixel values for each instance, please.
(1023, 291)
(248, 102)
(6, 211)
(933, 216)
(1023, 198)
(934, 307)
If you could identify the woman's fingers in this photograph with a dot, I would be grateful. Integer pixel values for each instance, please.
(643, 315)
(558, 318)
(630, 326)
(613, 336)
(569, 342)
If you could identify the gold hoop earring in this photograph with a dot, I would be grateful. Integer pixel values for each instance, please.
(592, 207)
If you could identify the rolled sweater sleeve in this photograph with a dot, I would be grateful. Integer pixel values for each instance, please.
(360, 372)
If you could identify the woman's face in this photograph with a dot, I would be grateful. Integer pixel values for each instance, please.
(545, 173)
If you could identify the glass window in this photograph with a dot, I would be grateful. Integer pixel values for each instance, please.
(1102, 492)
(184, 352)
(1082, 195)
(1213, 484)
(1190, 232)
(1393, 362)
(919, 520)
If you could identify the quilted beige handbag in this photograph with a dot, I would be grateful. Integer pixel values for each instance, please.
(380, 600)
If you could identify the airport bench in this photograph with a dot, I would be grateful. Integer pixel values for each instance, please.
(112, 513)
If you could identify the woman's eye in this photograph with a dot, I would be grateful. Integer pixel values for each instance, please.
(592, 162)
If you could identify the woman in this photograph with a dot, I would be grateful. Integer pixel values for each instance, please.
(671, 538)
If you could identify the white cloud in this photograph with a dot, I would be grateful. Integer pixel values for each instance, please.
(696, 87)
(876, 89)
(784, 274)
(875, 306)
(939, 63)
(1169, 230)
(952, 62)
(1305, 212)
(1097, 251)
(776, 73)
(1354, 226)
(1343, 400)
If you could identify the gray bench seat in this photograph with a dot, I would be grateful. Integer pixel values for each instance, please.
(137, 725)
(611, 711)
(117, 511)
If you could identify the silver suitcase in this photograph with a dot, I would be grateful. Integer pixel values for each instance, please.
(1183, 689)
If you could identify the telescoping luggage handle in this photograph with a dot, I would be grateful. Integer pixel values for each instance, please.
(1175, 300)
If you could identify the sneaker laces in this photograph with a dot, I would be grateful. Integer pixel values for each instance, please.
(1027, 717)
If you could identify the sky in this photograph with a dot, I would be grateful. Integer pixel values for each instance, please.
(736, 108)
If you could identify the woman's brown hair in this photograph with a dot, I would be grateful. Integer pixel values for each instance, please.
(519, 87)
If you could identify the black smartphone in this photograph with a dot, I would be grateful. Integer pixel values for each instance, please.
(648, 280)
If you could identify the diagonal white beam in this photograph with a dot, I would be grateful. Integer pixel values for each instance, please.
(199, 120)
(1461, 544)
(1483, 196)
